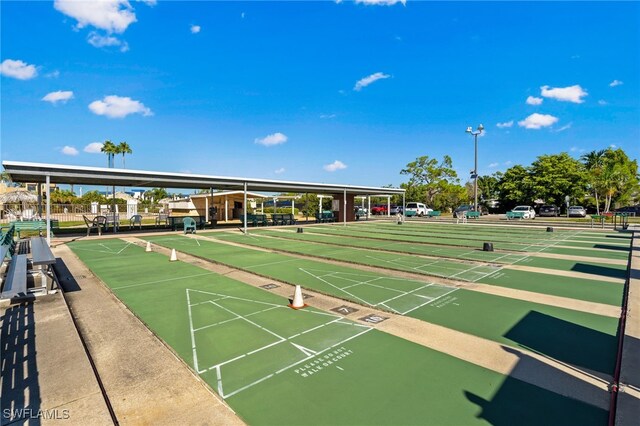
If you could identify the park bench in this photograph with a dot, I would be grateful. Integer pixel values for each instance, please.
(42, 257)
(410, 213)
(325, 217)
(34, 225)
(251, 220)
(473, 215)
(515, 215)
(290, 219)
(261, 219)
(277, 219)
(434, 213)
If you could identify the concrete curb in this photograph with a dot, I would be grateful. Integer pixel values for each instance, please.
(628, 399)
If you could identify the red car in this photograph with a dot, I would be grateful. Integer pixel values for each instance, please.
(379, 209)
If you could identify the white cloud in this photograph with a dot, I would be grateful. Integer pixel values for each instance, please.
(18, 69)
(493, 165)
(53, 74)
(59, 96)
(271, 140)
(336, 165)
(98, 40)
(69, 150)
(380, 2)
(532, 100)
(93, 148)
(113, 16)
(505, 124)
(195, 29)
(537, 121)
(613, 146)
(603, 102)
(118, 107)
(576, 149)
(364, 82)
(508, 163)
(568, 94)
(615, 83)
(324, 116)
(279, 171)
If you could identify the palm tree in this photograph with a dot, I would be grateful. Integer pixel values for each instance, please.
(594, 162)
(111, 150)
(124, 148)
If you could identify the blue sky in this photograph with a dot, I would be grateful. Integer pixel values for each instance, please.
(317, 91)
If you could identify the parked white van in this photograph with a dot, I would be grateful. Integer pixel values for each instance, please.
(417, 209)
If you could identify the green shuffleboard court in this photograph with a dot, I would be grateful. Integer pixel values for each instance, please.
(592, 290)
(483, 315)
(276, 365)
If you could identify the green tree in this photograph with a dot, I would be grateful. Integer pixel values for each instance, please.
(91, 196)
(451, 197)
(594, 163)
(619, 177)
(428, 178)
(514, 187)
(488, 186)
(123, 148)
(111, 150)
(552, 177)
(156, 193)
(63, 196)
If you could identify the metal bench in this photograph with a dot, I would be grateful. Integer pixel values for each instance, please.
(473, 215)
(14, 285)
(515, 215)
(42, 257)
(434, 213)
(34, 225)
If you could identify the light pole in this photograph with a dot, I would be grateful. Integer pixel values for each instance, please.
(475, 164)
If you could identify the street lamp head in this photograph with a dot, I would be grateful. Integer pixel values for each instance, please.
(469, 130)
(480, 128)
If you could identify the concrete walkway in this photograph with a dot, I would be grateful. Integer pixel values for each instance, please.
(145, 381)
(628, 409)
(46, 375)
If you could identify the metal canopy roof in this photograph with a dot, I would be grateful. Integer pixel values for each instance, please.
(75, 175)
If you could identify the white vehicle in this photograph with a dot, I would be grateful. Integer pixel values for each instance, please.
(528, 211)
(417, 209)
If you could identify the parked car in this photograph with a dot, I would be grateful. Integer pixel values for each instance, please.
(395, 209)
(577, 211)
(360, 212)
(529, 213)
(633, 210)
(417, 209)
(549, 210)
(469, 208)
(461, 209)
(379, 209)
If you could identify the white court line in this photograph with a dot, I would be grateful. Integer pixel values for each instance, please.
(163, 281)
(107, 247)
(249, 321)
(193, 337)
(429, 301)
(293, 365)
(271, 263)
(405, 294)
(121, 250)
(235, 319)
(336, 287)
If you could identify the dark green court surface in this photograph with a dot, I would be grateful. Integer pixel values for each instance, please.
(275, 365)
(479, 314)
(592, 290)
